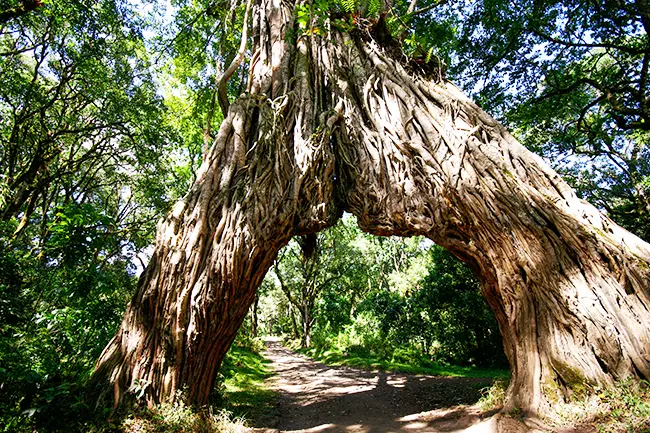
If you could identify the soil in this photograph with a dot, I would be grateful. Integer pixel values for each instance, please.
(314, 397)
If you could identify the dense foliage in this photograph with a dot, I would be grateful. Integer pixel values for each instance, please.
(83, 178)
(405, 300)
(570, 78)
(104, 117)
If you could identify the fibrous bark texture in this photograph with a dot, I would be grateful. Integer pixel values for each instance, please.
(569, 288)
(333, 121)
(266, 178)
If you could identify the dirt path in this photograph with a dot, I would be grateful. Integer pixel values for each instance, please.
(318, 398)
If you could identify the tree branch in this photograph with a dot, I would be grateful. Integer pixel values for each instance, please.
(25, 7)
(283, 286)
(411, 12)
(583, 44)
(224, 103)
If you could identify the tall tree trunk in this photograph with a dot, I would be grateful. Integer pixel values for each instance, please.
(337, 122)
(266, 178)
(254, 326)
(306, 318)
(570, 289)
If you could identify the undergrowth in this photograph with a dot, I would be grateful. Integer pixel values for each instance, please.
(621, 408)
(180, 418)
(625, 407)
(367, 361)
(242, 387)
(240, 400)
(494, 396)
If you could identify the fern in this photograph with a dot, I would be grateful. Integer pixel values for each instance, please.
(363, 8)
(429, 54)
(374, 7)
(349, 6)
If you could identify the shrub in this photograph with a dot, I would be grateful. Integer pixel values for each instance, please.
(181, 418)
(493, 397)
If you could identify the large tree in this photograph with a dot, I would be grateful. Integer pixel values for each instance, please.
(335, 118)
(571, 77)
(84, 175)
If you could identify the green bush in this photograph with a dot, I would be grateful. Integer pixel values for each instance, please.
(408, 355)
(58, 309)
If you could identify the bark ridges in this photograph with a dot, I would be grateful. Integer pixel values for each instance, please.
(331, 123)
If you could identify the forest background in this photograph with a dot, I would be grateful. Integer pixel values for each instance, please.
(107, 107)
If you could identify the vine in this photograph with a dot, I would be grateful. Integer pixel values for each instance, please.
(365, 17)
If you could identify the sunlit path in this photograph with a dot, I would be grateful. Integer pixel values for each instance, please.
(318, 398)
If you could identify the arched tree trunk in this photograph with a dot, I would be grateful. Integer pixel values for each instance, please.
(570, 289)
(266, 178)
(335, 122)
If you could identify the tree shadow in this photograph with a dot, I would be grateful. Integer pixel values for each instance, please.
(318, 398)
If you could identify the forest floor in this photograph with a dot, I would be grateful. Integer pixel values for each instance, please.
(314, 397)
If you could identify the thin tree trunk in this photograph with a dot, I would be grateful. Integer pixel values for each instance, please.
(294, 325)
(334, 122)
(254, 326)
(306, 319)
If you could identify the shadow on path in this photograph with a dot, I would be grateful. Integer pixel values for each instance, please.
(317, 398)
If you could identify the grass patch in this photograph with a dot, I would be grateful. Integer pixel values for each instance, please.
(628, 408)
(369, 362)
(179, 418)
(242, 387)
(621, 408)
(241, 401)
(494, 396)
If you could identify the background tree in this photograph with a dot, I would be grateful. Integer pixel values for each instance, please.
(308, 267)
(570, 78)
(78, 104)
(401, 300)
(450, 308)
(15, 9)
(84, 175)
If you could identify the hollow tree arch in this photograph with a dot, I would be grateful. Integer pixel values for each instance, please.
(333, 122)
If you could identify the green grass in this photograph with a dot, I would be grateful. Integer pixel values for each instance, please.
(244, 392)
(368, 362)
(241, 401)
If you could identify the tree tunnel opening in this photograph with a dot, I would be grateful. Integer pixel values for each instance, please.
(392, 306)
(393, 299)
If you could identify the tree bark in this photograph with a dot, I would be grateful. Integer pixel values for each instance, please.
(266, 179)
(254, 325)
(569, 288)
(337, 122)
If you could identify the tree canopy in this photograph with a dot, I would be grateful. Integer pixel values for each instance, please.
(108, 108)
(570, 79)
(84, 175)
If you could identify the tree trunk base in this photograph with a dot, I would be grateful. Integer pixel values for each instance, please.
(334, 122)
(503, 423)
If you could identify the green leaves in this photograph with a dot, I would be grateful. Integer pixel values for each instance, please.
(349, 6)
(392, 298)
(570, 78)
(83, 178)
